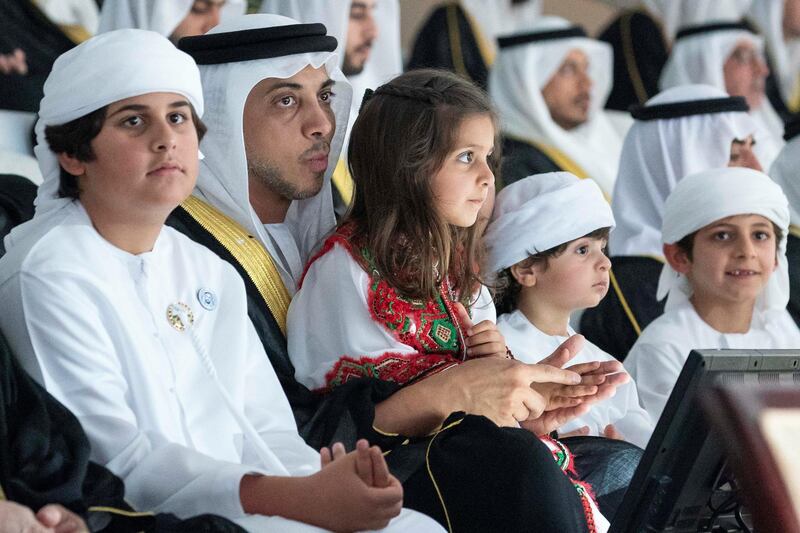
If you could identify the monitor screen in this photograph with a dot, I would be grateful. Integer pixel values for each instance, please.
(682, 482)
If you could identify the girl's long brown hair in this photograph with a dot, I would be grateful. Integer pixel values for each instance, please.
(399, 142)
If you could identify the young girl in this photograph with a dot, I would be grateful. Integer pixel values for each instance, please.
(726, 280)
(567, 271)
(394, 295)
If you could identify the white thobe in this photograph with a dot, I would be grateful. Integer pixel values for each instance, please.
(657, 358)
(94, 319)
(530, 345)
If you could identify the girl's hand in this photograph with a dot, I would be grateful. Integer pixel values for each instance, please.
(482, 339)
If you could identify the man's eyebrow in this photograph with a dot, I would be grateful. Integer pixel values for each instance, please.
(327, 83)
(143, 107)
(284, 85)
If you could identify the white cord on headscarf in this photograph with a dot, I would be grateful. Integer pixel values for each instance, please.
(268, 458)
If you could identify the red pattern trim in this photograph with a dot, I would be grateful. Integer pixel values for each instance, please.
(401, 368)
(566, 461)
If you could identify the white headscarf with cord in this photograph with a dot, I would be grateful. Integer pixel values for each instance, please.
(786, 173)
(657, 154)
(700, 58)
(223, 179)
(702, 199)
(784, 55)
(161, 16)
(94, 74)
(515, 84)
(541, 212)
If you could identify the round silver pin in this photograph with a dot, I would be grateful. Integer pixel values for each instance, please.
(207, 299)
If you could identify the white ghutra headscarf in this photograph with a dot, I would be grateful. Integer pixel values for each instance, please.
(161, 16)
(223, 179)
(658, 153)
(516, 82)
(703, 198)
(699, 58)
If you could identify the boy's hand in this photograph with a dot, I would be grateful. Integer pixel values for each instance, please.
(344, 500)
(610, 432)
(483, 339)
(62, 520)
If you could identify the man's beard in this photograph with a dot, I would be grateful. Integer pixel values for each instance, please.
(269, 175)
(349, 69)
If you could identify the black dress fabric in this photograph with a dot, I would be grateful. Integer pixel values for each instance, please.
(640, 52)
(24, 26)
(608, 325)
(44, 458)
(16, 203)
(433, 47)
(793, 256)
(521, 159)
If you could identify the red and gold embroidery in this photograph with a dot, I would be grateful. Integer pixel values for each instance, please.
(429, 327)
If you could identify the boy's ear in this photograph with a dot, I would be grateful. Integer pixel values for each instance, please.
(525, 275)
(677, 258)
(71, 164)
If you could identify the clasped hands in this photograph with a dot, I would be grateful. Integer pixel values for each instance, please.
(538, 397)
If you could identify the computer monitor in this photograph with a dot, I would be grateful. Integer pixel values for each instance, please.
(682, 483)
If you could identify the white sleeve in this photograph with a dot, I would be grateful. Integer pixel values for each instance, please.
(655, 368)
(71, 334)
(635, 423)
(268, 409)
(483, 308)
(329, 319)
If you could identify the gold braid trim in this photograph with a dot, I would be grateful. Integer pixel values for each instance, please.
(562, 160)
(121, 512)
(343, 182)
(794, 230)
(485, 46)
(624, 302)
(455, 40)
(248, 252)
(2, 494)
(630, 58)
(430, 472)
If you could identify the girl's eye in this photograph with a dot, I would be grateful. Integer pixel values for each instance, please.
(177, 118)
(466, 157)
(286, 101)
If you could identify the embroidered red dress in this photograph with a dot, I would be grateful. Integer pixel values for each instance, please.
(347, 322)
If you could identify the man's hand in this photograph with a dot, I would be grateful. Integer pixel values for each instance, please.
(14, 63)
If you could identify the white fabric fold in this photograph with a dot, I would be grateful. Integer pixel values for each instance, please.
(785, 173)
(516, 82)
(703, 198)
(161, 16)
(784, 54)
(675, 14)
(98, 72)
(535, 214)
(700, 59)
(657, 154)
(223, 179)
